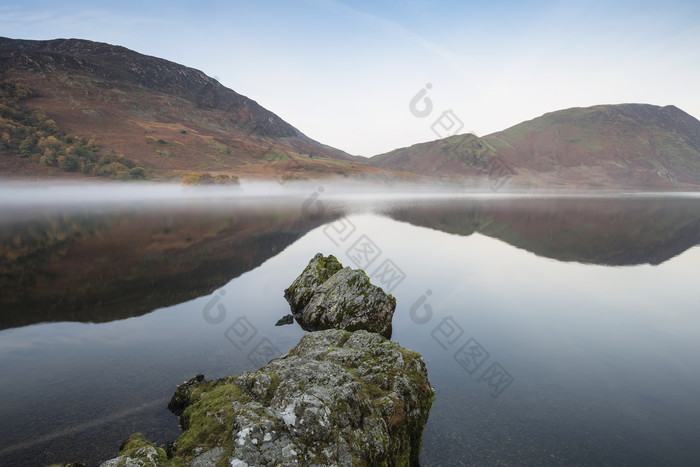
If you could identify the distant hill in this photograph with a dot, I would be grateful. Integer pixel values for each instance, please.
(71, 107)
(628, 145)
(461, 155)
(159, 115)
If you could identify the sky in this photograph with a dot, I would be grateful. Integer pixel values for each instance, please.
(371, 76)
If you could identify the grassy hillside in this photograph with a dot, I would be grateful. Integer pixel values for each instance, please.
(625, 145)
(166, 118)
(608, 146)
(455, 155)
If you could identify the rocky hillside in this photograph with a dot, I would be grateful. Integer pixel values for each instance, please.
(628, 145)
(164, 117)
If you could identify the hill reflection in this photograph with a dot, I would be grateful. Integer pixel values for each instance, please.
(92, 265)
(606, 231)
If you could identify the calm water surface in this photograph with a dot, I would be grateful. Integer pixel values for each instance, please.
(556, 330)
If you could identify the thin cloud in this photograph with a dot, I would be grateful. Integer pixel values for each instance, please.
(394, 29)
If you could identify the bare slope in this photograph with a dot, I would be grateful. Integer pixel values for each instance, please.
(165, 117)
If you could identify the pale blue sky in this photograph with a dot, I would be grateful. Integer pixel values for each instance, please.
(345, 72)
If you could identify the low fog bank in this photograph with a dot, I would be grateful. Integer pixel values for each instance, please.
(18, 194)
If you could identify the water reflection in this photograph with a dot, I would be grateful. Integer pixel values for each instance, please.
(603, 359)
(614, 231)
(94, 266)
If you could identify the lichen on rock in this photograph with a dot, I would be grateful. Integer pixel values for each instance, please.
(318, 271)
(337, 398)
(328, 296)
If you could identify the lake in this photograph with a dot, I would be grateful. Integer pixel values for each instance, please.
(556, 329)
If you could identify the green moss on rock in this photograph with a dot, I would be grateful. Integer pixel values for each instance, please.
(338, 397)
(319, 270)
(341, 396)
(138, 451)
(328, 296)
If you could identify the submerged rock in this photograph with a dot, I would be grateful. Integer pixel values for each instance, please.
(337, 398)
(285, 320)
(328, 296)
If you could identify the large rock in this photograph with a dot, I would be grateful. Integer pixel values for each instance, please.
(318, 271)
(328, 296)
(337, 398)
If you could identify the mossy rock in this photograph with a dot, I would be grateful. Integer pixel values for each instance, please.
(338, 397)
(137, 451)
(328, 296)
(318, 271)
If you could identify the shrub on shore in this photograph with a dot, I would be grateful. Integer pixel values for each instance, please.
(30, 134)
(194, 178)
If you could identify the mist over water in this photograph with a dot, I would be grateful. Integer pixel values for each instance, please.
(589, 301)
(68, 193)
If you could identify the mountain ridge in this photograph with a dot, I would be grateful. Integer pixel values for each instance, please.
(119, 64)
(115, 112)
(166, 117)
(619, 145)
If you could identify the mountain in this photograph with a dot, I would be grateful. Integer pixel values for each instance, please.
(100, 102)
(461, 155)
(71, 106)
(627, 145)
